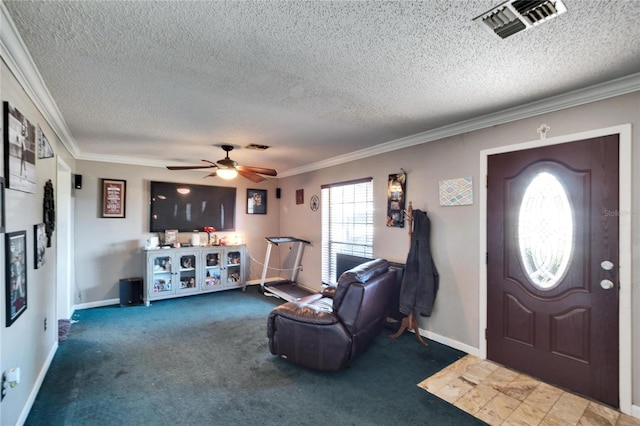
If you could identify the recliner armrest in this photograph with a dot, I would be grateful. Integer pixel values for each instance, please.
(313, 309)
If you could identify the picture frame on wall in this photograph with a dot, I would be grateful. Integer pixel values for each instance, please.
(19, 150)
(2, 215)
(114, 196)
(256, 201)
(44, 147)
(396, 194)
(16, 275)
(39, 245)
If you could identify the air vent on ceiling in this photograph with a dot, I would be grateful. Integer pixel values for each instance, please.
(517, 15)
(257, 147)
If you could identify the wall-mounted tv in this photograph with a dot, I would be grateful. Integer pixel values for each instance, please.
(188, 207)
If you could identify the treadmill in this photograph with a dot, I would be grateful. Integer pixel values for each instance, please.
(284, 287)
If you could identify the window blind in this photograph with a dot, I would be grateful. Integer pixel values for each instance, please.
(347, 222)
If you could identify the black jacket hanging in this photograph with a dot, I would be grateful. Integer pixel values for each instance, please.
(421, 280)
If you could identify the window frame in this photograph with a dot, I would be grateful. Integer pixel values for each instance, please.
(344, 216)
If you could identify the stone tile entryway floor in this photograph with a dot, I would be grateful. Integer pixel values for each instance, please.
(500, 396)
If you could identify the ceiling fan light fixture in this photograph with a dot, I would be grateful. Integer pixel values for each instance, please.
(227, 173)
(229, 169)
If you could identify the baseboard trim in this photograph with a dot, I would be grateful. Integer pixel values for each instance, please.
(98, 304)
(450, 342)
(635, 411)
(36, 386)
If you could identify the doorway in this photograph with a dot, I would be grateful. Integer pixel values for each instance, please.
(537, 339)
(64, 227)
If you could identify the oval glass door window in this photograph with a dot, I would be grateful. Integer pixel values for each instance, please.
(545, 231)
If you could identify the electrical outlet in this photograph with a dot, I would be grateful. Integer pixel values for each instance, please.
(45, 323)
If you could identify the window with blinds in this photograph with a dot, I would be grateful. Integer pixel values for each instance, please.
(347, 223)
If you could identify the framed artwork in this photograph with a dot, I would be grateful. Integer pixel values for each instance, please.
(114, 194)
(39, 245)
(170, 236)
(16, 275)
(256, 201)
(396, 193)
(2, 205)
(19, 151)
(299, 196)
(44, 148)
(456, 192)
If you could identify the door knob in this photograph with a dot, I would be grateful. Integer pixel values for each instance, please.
(607, 265)
(606, 284)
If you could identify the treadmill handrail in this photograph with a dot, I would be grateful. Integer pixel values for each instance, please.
(279, 240)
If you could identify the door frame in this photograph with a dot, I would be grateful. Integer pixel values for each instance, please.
(625, 209)
(64, 241)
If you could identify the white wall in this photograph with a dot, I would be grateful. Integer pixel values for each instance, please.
(26, 344)
(455, 230)
(110, 249)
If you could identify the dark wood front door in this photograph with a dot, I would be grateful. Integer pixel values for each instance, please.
(552, 264)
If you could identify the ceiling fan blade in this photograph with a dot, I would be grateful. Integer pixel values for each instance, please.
(212, 174)
(261, 170)
(188, 167)
(251, 176)
(204, 166)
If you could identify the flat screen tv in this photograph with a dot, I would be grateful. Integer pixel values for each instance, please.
(188, 207)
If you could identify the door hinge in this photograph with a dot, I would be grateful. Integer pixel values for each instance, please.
(485, 334)
(486, 181)
(486, 258)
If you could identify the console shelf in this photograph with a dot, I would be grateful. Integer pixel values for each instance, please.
(186, 271)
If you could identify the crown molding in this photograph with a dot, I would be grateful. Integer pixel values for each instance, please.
(21, 64)
(610, 89)
(133, 161)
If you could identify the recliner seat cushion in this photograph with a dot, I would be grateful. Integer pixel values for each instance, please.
(313, 309)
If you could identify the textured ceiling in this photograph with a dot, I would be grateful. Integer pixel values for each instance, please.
(168, 80)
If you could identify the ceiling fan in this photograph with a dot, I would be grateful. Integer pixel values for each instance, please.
(228, 169)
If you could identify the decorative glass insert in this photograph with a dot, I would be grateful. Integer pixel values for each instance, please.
(545, 231)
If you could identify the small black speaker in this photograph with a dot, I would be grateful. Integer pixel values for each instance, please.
(77, 181)
(131, 292)
(277, 192)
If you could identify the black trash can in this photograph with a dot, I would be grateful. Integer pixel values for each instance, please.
(131, 292)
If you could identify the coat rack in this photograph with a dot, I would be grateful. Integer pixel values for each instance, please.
(409, 322)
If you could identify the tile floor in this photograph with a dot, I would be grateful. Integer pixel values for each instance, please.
(500, 396)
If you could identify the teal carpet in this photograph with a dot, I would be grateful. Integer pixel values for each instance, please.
(204, 360)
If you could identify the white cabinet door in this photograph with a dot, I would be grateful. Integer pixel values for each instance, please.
(161, 275)
(212, 260)
(189, 265)
(234, 267)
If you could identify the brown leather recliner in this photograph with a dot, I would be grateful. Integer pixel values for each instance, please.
(326, 333)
